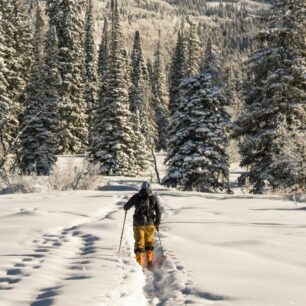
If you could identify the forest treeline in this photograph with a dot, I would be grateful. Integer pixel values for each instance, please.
(217, 85)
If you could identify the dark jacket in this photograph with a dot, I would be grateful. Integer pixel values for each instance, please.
(136, 200)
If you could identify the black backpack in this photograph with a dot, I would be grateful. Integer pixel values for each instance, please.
(145, 208)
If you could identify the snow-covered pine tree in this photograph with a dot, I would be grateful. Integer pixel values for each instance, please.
(194, 49)
(138, 142)
(68, 18)
(113, 145)
(197, 158)
(275, 88)
(104, 50)
(103, 69)
(178, 70)
(91, 76)
(18, 36)
(16, 55)
(53, 83)
(211, 61)
(141, 95)
(37, 152)
(150, 71)
(160, 99)
(233, 81)
(290, 161)
(138, 67)
(5, 101)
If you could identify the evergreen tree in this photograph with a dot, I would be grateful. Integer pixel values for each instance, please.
(114, 144)
(275, 88)
(17, 31)
(91, 78)
(37, 152)
(178, 70)
(53, 83)
(16, 41)
(67, 17)
(211, 61)
(289, 162)
(150, 72)
(194, 49)
(103, 70)
(138, 143)
(104, 51)
(160, 99)
(197, 158)
(233, 81)
(141, 96)
(5, 101)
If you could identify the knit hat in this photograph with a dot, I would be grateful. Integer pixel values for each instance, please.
(145, 185)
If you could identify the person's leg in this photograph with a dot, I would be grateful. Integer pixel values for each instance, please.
(149, 243)
(139, 248)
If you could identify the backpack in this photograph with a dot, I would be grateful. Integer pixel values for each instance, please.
(146, 209)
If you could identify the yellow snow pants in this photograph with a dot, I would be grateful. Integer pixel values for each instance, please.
(144, 242)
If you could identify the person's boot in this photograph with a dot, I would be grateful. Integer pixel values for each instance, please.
(149, 258)
(139, 258)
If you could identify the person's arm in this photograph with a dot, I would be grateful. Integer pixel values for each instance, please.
(158, 212)
(130, 203)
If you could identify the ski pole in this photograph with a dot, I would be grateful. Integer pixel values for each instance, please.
(122, 231)
(161, 246)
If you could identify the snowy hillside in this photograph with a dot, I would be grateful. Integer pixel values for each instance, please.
(152, 16)
(60, 249)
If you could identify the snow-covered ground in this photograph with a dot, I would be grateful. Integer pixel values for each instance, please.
(60, 249)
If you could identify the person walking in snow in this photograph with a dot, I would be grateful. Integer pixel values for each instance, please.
(147, 215)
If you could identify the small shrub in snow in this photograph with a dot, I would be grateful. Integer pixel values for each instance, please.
(12, 182)
(68, 177)
(72, 177)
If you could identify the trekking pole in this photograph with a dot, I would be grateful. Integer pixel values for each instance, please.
(122, 231)
(160, 243)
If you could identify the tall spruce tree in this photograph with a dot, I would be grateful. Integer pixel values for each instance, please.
(141, 95)
(16, 41)
(103, 65)
(103, 69)
(194, 49)
(178, 70)
(91, 76)
(275, 96)
(67, 17)
(114, 142)
(5, 101)
(37, 152)
(104, 50)
(17, 31)
(138, 142)
(53, 83)
(197, 158)
(160, 99)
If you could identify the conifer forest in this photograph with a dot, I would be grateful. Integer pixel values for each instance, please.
(210, 83)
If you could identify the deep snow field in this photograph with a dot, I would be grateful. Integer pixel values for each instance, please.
(61, 249)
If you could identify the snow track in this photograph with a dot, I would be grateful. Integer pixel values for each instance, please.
(167, 284)
(56, 258)
(171, 283)
(65, 260)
